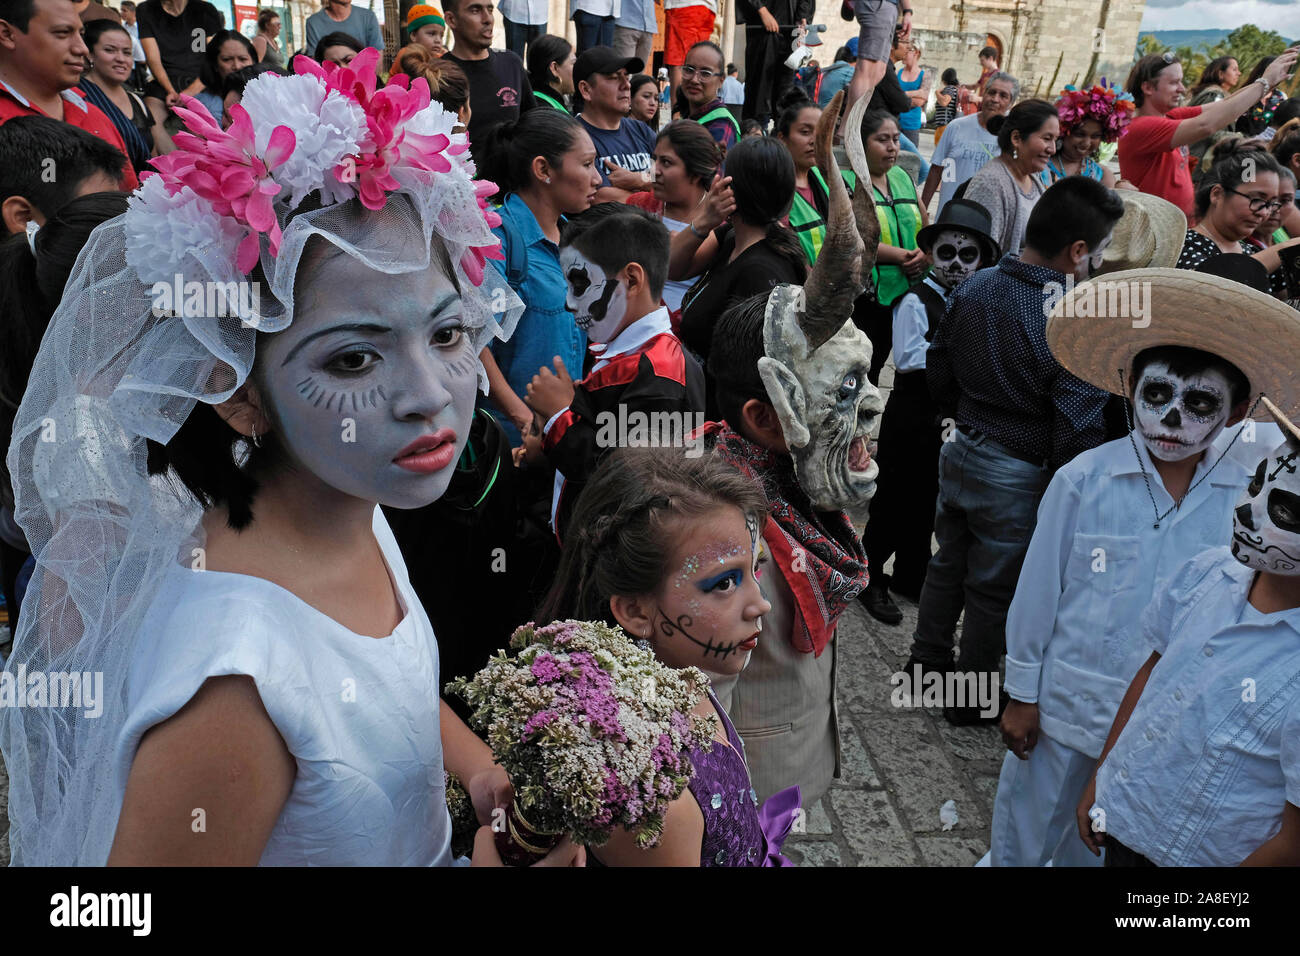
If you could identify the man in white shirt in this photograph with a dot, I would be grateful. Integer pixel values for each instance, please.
(140, 74)
(733, 91)
(525, 21)
(957, 159)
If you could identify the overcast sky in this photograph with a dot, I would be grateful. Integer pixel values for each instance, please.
(1279, 15)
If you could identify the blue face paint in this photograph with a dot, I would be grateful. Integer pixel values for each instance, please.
(735, 576)
(372, 364)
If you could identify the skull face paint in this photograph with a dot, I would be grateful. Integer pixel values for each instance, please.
(826, 405)
(709, 609)
(1179, 416)
(956, 257)
(598, 302)
(372, 388)
(1266, 524)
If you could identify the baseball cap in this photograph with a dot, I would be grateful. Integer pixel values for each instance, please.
(603, 59)
(853, 46)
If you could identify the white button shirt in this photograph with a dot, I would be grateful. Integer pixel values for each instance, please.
(531, 12)
(911, 323)
(1200, 775)
(1090, 571)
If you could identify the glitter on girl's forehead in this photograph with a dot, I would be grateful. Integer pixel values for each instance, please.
(712, 555)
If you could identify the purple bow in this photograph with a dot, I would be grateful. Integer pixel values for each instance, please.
(775, 818)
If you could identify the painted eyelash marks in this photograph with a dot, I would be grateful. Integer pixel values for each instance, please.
(462, 366)
(315, 393)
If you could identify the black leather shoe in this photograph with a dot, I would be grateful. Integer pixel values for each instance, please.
(880, 605)
(974, 716)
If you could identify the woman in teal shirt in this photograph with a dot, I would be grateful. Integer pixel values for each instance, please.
(545, 164)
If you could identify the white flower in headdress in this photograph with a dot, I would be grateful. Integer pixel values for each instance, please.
(168, 234)
(329, 127)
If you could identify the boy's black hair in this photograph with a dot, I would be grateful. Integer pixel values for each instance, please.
(1072, 208)
(612, 238)
(733, 358)
(337, 38)
(33, 147)
(1184, 362)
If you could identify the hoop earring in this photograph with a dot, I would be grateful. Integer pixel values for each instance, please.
(257, 442)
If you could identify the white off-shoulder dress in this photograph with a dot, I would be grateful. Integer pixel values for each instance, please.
(359, 714)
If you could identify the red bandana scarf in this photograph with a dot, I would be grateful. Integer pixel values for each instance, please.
(818, 553)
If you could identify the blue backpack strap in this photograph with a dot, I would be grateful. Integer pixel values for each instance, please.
(514, 249)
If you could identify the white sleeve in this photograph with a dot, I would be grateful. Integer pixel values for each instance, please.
(1291, 753)
(910, 325)
(1031, 618)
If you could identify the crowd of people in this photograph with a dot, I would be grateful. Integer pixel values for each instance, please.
(478, 273)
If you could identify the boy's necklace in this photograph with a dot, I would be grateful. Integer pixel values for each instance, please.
(1128, 415)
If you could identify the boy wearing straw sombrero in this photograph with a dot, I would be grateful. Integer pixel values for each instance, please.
(1117, 520)
(1202, 765)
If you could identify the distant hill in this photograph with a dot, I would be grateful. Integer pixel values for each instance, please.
(1192, 38)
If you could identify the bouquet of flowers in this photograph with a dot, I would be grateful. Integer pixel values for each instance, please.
(1111, 107)
(594, 733)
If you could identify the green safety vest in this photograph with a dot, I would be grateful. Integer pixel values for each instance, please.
(900, 221)
(806, 222)
(720, 112)
(547, 98)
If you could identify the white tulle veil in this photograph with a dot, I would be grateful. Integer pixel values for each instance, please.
(385, 180)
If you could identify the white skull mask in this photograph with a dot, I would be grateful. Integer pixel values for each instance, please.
(598, 303)
(956, 257)
(1180, 416)
(1266, 524)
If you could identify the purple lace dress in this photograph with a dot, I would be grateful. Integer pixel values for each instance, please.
(735, 834)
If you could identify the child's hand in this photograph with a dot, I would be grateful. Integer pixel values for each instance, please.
(490, 789)
(1020, 727)
(550, 392)
(566, 852)
(530, 452)
(1093, 839)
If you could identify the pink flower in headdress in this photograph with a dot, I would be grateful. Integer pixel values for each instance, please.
(476, 257)
(482, 190)
(223, 167)
(388, 145)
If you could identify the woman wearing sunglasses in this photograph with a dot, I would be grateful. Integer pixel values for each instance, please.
(1154, 153)
(701, 86)
(1237, 193)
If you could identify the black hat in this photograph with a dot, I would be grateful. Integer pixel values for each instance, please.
(603, 59)
(968, 216)
(1238, 267)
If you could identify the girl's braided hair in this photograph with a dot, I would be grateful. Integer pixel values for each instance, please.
(622, 532)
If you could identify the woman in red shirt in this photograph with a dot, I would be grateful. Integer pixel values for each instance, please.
(1153, 155)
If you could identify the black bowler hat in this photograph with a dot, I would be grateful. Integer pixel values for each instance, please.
(1238, 267)
(968, 216)
(603, 59)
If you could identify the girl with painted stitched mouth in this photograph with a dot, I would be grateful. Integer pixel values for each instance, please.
(669, 550)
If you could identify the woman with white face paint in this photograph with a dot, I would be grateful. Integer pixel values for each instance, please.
(1115, 524)
(225, 444)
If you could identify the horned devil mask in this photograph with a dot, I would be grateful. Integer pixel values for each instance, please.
(1266, 524)
(815, 359)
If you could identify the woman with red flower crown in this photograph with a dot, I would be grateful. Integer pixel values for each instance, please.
(1088, 119)
(281, 333)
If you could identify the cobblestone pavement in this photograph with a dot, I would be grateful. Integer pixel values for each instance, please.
(899, 767)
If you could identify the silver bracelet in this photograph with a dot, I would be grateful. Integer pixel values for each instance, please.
(696, 233)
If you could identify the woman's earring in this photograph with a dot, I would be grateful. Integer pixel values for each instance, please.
(547, 180)
(1015, 153)
(257, 442)
(643, 642)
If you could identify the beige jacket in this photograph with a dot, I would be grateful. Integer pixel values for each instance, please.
(783, 704)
